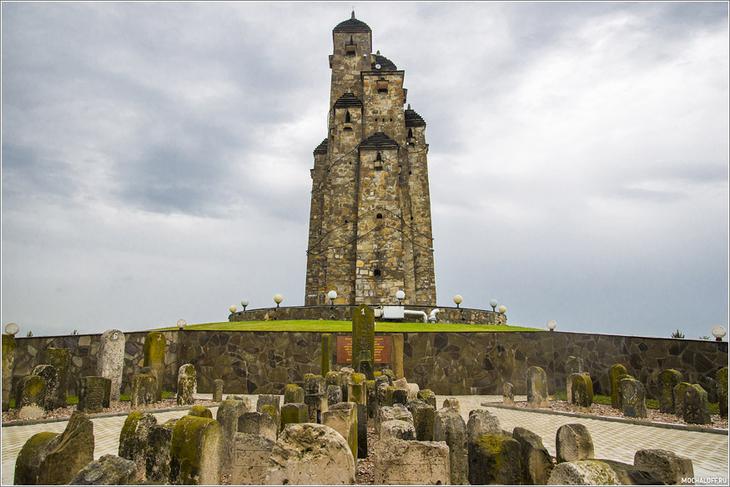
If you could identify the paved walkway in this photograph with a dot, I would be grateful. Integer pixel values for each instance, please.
(615, 441)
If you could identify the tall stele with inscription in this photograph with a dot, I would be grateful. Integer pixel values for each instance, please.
(370, 220)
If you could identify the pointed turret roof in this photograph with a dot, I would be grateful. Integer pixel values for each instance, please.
(348, 100)
(413, 119)
(352, 25)
(378, 141)
(321, 148)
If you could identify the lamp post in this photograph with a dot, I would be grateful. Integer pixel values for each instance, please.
(400, 296)
(244, 303)
(458, 300)
(12, 328)
(718, 332)
(332, 295)
(278, 298)
(181, 324)
(493, 303)
(551, 324)
(232, 308)
(502, 309)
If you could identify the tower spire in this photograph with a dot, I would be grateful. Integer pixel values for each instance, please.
(353, 14)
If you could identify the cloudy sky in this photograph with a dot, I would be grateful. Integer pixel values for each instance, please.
(155, 158)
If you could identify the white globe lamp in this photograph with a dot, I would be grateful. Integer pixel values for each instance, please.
(278, 298)
(400, 296)
(332, 295)
(244, 303)
(458, 300)
(502, 309)
(232, 308)
(718, 332)
(551, 325)
(493, 303)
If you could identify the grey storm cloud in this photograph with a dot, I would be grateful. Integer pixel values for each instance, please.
(156, 157)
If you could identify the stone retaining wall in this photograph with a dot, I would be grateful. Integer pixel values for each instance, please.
(448, 363)
(344, 312)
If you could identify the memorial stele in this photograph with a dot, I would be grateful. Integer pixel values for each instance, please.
(370, 218)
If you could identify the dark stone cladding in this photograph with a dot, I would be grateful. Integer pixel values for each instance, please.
(378, 141)
(352, 25)
(413, 119)
(348, 100)
(322, 147)
(385, 64)
(448, 363)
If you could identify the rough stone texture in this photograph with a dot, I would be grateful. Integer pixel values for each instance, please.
(495, 459)
(447, 363)
(423, 418)
(372, 398)
(251, 459)
(218, 390)
(8, 366)
(411, 462)
(294, 413)
(573, 442)
(583, 472)
(94, 394)
(449, 426)
(615, 372)
(30, 458)
(110, 360)
(357, 393)
(228, 414)
(481, 422)
(722, 391)
(334, 394)
(400, 396)
(50, 376)
(155, 347)
(158, 455)
(200, 411)
(311, 454)
(31, 397)
(536, 460)
(195, 451)
(326, 357)
(452, 403)
(695, 409)
(397, 355)
(633, 398)
(134, 439)
(667, 466)
(363, 341)
(107, 470)
(668, 379)
(68, 452)
(573, 365)
(294, 394)
(187, 385)
(581, 389)
(537, 390)
(342, 417)
(427, 396)
(144, 390)
(271, 405)
(508, 394)
(258, 423)
(60, 358)
(628, 474)
(395, 428)
(679, 395)
(387, 413)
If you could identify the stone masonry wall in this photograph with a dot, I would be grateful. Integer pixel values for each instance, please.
(448, 363)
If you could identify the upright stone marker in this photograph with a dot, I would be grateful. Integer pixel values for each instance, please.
(144, 390)
(357, 393)
(158, 452)
(326, 353)
(154, 357)
(508, 394)
(342, 417)
(496, 459)
(536, 461)
(110, 360)
(363, 341)
(195, 451)
(8, 365)
(50, 375)
(258, 423)
(218, 390)
(449, 426)
(424, 417)
(228, 414)
(60, 358)
(399, 462)
(251, 459)
(633, 398)
(134, 439)
(679, 394)
(573, 442)
(271, 405)
(398, 346)
(537, 390)
(695, 408)
(581, 389)
(293, 394)
(668, 378)
(31, 397)
(573, 365)
(94, 394)
(293, 412)
(615, 373)
(187, 385)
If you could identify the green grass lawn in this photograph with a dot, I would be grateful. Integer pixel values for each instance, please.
(327, 326)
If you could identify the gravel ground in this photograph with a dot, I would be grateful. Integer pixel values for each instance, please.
(11, 417)
(364, 471)
(654, 415)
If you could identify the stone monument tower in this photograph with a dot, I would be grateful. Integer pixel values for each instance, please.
(370, 218)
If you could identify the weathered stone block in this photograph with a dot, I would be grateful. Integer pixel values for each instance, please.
(449, 426)
(251, 458)
(110, 360)
(134, 440)
(32, 397)
(311, 454)
(423, 419)
(679, 393)
(154, 349)
(256, 423)
(481, 422)
(187, 385)
(583, 472)
(228, 414)
(615, 372)
(387, 413)
(398, 462)
(271, 405)
(668, 379)
(50, 376)
(452, 403)
(200, 411)
(573, 442)
(30, 458)
(158, 455)
(294, 413)
(397, 429)
(537, 390)
(293, 394)
(427, 396)
(314, 384)
(60, 358)
(326, 353)
(667, 466)
(400, 396)
(195, 451)
(334, 395)
(107, 470)
(536, 461)
(508, 394)
(633, 398)
(94, 394)
(8, 359)
(722, 385)
(342, 417)
(372, 397)
(218, 390)
(495, 459)
(144, 390)
(695, 408)
(581, 389)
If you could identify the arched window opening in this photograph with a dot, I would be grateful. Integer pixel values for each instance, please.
(376, 273)
(410, 133)
(379, 216)
(379, 157)
(347, 117)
